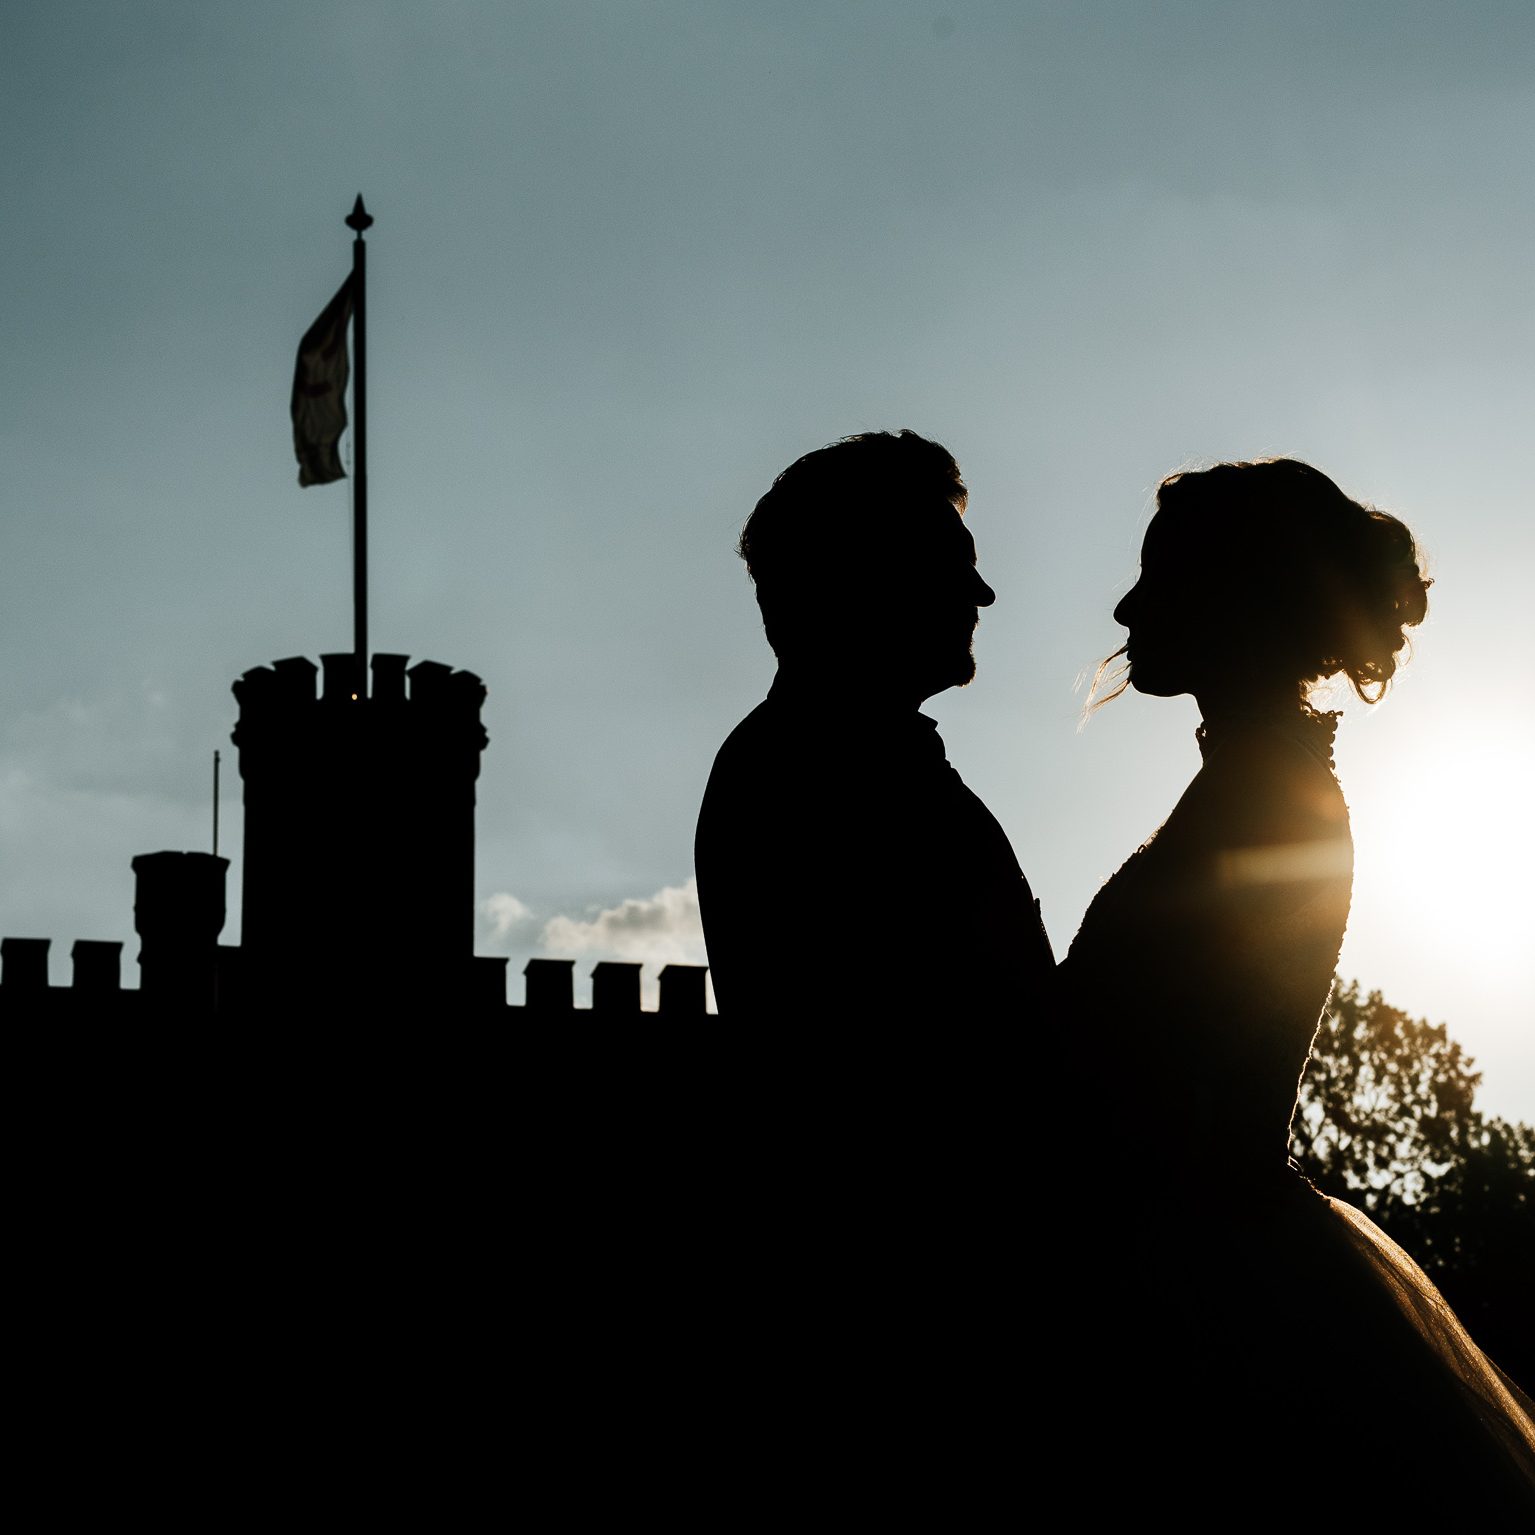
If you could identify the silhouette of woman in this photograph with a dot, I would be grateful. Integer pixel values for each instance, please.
(1272, 1340)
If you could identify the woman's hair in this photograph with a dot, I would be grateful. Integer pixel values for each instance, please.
(1331, 584)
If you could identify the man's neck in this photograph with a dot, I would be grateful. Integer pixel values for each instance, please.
(847, 691)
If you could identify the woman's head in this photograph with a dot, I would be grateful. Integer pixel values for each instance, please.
(1261, 578)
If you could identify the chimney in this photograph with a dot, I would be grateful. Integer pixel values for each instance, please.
(549, 985)
(98, 966)
(178, 912)
(615, 987)
(682, 991)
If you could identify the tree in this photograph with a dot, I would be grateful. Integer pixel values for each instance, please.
(1387, 1120)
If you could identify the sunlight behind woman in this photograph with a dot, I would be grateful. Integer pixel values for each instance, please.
(1443, 895)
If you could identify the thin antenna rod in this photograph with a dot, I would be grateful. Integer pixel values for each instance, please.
(215, 804)
(358, 220)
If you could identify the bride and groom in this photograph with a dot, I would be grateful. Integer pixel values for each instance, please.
(1266, 1335)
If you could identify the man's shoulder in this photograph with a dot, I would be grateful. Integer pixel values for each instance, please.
(751, 752)
(780, 736)
(781, 772)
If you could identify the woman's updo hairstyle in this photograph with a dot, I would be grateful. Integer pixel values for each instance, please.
(1330, 584)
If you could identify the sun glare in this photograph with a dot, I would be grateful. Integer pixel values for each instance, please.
(1444, 851)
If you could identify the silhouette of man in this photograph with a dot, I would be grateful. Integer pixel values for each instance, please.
(843, 866)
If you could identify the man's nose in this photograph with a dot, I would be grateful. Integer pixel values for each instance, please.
(984, 596)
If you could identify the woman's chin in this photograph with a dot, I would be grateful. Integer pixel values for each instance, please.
(1147, 682)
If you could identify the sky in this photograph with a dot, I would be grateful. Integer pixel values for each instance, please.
(630, 261)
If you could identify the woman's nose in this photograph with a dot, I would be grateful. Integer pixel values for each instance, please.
(1126, 606)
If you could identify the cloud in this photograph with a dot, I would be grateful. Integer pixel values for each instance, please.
(661, 929)
(499, 918)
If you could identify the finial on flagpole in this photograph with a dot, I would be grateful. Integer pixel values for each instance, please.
(359, 218)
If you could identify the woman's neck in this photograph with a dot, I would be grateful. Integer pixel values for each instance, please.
(1230, 713)
(1217, 706)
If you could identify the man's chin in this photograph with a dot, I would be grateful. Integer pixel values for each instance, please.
(958, 673)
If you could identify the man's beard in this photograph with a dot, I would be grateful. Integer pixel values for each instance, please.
(964, 673)
(961, 671)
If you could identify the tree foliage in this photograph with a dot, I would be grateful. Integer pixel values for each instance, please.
(1387, 1120)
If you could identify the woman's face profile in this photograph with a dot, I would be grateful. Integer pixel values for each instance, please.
(1187, 633)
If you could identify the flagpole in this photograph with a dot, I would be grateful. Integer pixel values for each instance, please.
(358, 220)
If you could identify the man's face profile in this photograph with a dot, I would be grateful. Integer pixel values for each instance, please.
(864, 567)
(928, 595)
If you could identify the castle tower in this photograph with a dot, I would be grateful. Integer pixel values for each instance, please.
(358, 859)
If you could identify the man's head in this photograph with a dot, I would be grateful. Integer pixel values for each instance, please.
(861, 561)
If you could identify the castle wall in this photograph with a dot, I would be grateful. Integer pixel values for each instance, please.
(358, 879)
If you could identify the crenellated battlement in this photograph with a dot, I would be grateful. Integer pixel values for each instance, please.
(295, 689)
(299, 717)
(549, 988)
(96, 988)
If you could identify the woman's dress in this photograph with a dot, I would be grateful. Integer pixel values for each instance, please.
(1264, 1339)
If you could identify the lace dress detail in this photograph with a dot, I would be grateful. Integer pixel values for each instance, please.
(1315, 730)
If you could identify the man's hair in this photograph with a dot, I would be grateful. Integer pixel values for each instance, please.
(838, 512)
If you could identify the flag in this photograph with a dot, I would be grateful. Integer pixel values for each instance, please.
(319, 392)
